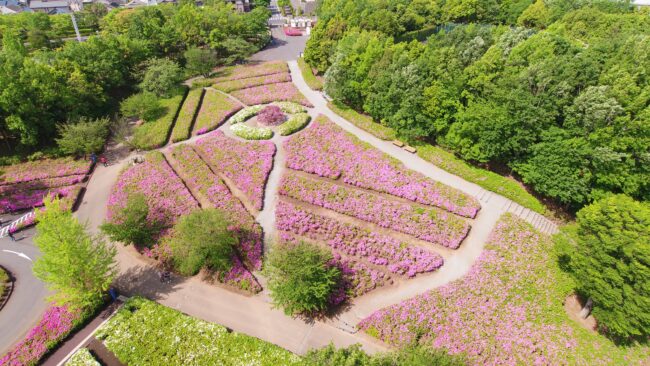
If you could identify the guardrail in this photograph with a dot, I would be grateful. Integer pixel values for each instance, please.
(5, 230)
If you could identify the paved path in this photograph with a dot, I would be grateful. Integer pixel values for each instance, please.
(28, 300)
(456, 265)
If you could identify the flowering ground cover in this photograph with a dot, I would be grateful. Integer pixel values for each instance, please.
(153, 134)
(246, 164)
(326, 150)
(216, 108)
(15, 201)
(186, 115)
(42, 169)
(54, 325)
(271, 115)
(232, 85)
(252, 133)
(270, 93)
(380, 250)
(506, 311)
(32, 185)
(166, 195)
(146, 333)
(251, 70)
(200, 178)
(294, 124)
(82, 357)
(430, 224)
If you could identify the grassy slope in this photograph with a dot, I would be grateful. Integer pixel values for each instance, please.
(153, 134)
(506, 187)
(312, 81)
(186, 115)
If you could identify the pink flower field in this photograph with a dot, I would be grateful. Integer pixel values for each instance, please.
(43, 169)
(433, 225)
(25, 200)
(166, 195)
(326, 150)
(379, 250)
(232, 85)
(201, 179)
(264, 94)
(55, 324)
(216, 108)
(251, 70)
(506, 311)
(246, 163)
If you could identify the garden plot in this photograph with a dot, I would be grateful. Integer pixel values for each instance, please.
(232, 85)
(264, 94)
(324, 149)
(246, 164)
(24, 186)
(216, 108)
(186, 116)
(153, 134)
(250, 70)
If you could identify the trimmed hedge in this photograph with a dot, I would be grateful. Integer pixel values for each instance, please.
(245, 114)
(290, 107)
(251, 133)
(295, 123)
(152, 135)
(186, 116)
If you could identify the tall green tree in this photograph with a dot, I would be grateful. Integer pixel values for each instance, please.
(131, 224)
(78, 266)
(199, 61)
(161, 76)
(608, 254)
(84, 136)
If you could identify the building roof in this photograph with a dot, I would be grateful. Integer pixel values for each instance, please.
(641, 2)
(40, 4)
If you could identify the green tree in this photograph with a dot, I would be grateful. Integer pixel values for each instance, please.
(145, 106)
(131, 225)
(84, 136)
(301, 278)
(199, 61)
(78, 266)
(161, 76)
(608, 254)
(202, 239)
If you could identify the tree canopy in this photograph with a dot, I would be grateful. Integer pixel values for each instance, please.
(608, 254)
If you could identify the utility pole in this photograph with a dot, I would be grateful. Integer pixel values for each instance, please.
(74, 24)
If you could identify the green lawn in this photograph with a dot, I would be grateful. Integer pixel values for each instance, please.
(504, 186)
(144, 332)
(186, 116)
(153, 134)
(312, 80)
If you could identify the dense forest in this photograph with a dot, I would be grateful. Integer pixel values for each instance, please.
(557, 91)
(46, 81)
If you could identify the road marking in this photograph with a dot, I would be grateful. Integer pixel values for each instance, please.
(23, 255)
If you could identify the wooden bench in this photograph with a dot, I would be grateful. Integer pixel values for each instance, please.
(398, 143)
(410, 149)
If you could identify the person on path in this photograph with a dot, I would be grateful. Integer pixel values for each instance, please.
(93, 158)
(11, 235)
(103, 160)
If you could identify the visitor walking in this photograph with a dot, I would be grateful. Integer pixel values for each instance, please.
(11, 235)
(103, 160)
(93, 158)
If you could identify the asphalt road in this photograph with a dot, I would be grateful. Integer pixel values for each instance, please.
(27, 302)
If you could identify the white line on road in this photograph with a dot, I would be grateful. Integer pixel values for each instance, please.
(23, 255)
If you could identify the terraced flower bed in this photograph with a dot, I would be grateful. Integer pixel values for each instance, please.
(166, 195)
(380, 250)
(14, 201)
(55, 324)
(264, 94)
(326, 150)
(200, 178)
(43, 169)
(430, 224)
(186, 116)
(507, 310)
(232, 85)
(146, 333)
(251, 70)
(246, 164)
(216, 108)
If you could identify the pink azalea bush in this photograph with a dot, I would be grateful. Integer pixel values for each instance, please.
(215, 109)
(271, 115)
(350, 240)
(55, 324)
(431, 224)
(232, 85)
(42, 169)
(268, 93)
(508, 310)
(201, 179)
(246, 163)
(68, 180)
(34, 198)
(251, 70)
(166, 195)
(326, 150)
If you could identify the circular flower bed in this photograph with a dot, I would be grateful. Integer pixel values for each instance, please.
(271, 115)
(287, 117)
